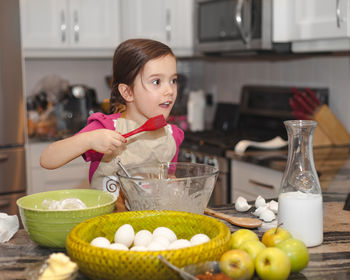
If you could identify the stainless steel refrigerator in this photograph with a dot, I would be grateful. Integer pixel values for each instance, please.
(12, 110)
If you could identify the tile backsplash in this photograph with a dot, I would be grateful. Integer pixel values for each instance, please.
(223, 78)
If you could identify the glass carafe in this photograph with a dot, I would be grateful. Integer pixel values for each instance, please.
(300, 199)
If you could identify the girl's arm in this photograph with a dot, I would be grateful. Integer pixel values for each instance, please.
(59, 153)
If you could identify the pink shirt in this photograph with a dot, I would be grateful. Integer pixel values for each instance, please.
(99, 121)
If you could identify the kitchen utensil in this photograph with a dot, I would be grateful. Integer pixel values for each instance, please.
(151, 124)
(179, 186)
(307, 106)
(102, 263)
(50, 228)
(124, 168)
(238, 221)
(183, 274)
(274, 143)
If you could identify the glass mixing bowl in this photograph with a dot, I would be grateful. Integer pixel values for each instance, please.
(179, 186)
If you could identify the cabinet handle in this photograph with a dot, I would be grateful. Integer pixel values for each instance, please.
(337, 13)
(63, 27)
(168, 25)
(259, 184)
(238, 19)
(76, 26)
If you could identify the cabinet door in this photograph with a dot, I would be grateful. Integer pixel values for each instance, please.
(144, 19)
(179, 26)
(324, 19)
(94, 24)
(44, 23)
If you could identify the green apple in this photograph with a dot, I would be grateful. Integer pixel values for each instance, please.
(297, 253)
(240, 236)
(274, 236)
(272, 264)
(237, 264)
(252, 247)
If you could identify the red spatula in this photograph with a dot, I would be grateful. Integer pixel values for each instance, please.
(151, 124)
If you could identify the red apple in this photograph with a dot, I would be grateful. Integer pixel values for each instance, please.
(274, 236)
(272, 264)
(237, 264)
(297, 253)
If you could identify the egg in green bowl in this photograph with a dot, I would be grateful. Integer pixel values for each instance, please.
(50, 228)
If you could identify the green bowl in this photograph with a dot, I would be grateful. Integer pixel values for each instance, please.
(50, 228)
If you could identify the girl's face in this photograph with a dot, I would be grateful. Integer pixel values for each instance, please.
(154, 90)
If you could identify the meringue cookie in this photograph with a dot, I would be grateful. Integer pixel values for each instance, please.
(273, 206)
(260, 201)
(267, 215)
(241, 204)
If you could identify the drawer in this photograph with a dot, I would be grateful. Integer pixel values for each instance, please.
(250, 180)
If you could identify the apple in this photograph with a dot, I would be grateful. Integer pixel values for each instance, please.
(252, 247)
(297, 253)
(240, 236)
(237, 264)
(274, 236)
(272, 264)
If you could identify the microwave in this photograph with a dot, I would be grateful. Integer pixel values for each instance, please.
(231, 26)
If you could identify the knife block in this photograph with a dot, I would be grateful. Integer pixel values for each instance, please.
(330, 127)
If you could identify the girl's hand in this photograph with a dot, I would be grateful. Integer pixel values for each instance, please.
(105, 141)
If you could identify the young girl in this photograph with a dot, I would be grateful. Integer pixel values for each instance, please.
(144, 86)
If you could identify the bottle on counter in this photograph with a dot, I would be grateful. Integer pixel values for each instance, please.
(300, 199)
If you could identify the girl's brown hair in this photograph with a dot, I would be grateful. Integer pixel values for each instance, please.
(129, 59)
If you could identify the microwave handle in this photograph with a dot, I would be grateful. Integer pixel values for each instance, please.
(239, 23)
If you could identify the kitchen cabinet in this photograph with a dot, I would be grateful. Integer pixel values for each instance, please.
(72, 175)
(53, 28)
(168, 21)
(250, 180)
(313, 25)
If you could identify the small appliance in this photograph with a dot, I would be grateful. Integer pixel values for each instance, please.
(233, 26)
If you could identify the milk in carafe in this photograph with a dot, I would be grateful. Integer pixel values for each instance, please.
(300, 198)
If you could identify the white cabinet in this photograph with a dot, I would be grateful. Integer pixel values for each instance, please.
(70, 27)
(313, 25)
(75, 174)
(250, 180)
(168, 21)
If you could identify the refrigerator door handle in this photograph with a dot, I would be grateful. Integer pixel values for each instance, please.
(3, 157)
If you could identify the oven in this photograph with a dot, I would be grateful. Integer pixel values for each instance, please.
(258, 117)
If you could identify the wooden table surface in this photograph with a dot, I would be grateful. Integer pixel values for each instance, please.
(331, 260)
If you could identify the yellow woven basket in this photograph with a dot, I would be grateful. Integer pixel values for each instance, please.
(101, 263)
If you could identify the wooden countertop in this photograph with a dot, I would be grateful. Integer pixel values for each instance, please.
(331, 260)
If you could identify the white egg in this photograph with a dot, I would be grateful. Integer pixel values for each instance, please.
(125, 235)
(178, 244)
(138, 248)
(118, 246)
(259, 210)
(199, 239)
(100, 241)
(260, 202)
(162, 240)
(155, 246)
(143, 238)
(166, 232)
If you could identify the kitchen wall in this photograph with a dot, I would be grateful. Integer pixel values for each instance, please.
(222, 77)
